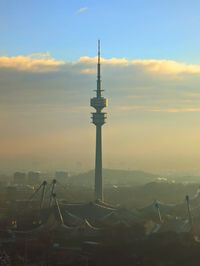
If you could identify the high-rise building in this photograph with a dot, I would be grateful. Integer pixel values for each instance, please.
(61, 176)
(19, 178)
(98, 118)
(34, 177)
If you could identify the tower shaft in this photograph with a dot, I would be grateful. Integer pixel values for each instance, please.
(98, 166)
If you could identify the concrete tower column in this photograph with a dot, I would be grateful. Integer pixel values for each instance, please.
(98, 165)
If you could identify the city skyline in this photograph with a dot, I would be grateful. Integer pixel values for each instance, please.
(151, 71)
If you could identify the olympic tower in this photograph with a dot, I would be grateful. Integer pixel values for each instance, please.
(98, 119)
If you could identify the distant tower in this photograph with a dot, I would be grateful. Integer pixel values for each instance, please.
(98, 118)
(189, 211)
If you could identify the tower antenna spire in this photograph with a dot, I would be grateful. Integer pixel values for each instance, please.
(99, 71)
(99, 51)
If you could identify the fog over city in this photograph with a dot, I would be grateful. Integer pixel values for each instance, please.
(99, 133)
(45, 113)
(150, 72)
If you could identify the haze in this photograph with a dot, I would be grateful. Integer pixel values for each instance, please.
(150, 73)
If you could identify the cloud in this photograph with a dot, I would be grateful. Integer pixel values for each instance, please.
(33, 63)
(45, 110)
(88, 71)
(141, 108)
(192, 95)
(180, 110)
(125, 80)
(168, 67)
(43, 62)
(82, 10)
(164, 67)
(111, 61)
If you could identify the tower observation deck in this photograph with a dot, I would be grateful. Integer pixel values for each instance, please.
(98, 119)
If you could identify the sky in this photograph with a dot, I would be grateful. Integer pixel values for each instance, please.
(150, 72)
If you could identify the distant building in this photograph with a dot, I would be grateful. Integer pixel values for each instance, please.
(11, 192)
(33, 177)
(18, 192)
(4, 180)
(19, 178)
(61, 176)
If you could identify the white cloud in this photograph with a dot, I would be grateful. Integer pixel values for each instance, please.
(164, 67)
(168, 66)
(82, 10)
(111, 61)
(33, 63)
(41, 95)
(124, 79)
(43, 62)
(132, 108)
(88, 71)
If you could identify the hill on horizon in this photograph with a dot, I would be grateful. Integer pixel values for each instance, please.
(113, 177)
